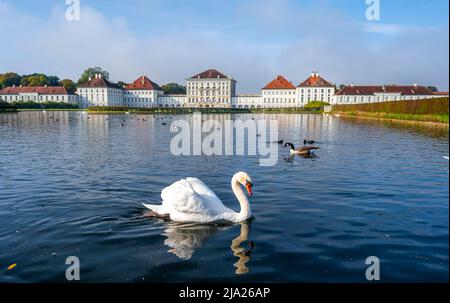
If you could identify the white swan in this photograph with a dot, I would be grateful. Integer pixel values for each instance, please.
(191, 200)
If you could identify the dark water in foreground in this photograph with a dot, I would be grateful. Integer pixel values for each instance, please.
(74, 187)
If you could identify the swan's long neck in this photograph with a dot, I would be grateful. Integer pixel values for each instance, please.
(245, 212)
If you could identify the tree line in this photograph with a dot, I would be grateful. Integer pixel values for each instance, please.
(39, 79)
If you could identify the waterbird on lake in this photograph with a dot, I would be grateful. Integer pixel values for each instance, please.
(308, 142)
(164, 123)
(303, 151)
(191, 200)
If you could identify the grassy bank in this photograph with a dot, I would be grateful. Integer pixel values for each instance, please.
(50, 109)
(394, 116)
(428, 110)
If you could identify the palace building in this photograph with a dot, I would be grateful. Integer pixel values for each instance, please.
(37, 94)
(98, 91)
(143, 92)
(279, 93)
(315, 88)
(353, 94)
(210, 88)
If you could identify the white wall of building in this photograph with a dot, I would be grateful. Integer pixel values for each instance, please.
(272, 98)
(247, 101)
(378, 97)
(308, 94)
(141, 98)
(217, 92)
(172, 100)
(100, 96)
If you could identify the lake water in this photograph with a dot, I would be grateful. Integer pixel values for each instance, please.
(73, 186)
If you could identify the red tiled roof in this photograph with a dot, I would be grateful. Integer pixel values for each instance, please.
(370, 90)
(143, 83)
(99, 82)
(279, 82)
(210, 74)
(42, 90)
(316, 81)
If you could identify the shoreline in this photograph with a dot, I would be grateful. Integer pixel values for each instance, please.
(393, 120)
(181, 111)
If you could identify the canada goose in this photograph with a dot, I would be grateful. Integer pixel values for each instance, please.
(304, 150)
(308, 142)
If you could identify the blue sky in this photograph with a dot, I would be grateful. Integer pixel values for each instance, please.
(251, 40)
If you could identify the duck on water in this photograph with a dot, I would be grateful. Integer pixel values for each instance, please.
(302, 151)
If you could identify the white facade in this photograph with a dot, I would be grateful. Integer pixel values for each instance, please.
(37, 94)
(210, 89)
(142, 93)
(315, 88)
(141, 98)
(99, 92)
(372, 94)
(308, 94)
(279, 98)
(172, 101)
(247, 101)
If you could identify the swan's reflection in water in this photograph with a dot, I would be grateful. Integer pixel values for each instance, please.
(240, 252)
(183, 239)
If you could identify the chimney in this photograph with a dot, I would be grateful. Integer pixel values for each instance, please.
(415, 84)
(89, 78)
(351, 84)
(14, 85)
(45, 85)
(99, 76)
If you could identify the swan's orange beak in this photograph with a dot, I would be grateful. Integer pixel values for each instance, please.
(248, 186)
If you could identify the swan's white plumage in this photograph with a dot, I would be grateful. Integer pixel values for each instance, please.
(191, 200)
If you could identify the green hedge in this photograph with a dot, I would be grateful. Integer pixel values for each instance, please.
(48, 105)
(435, 106)
(6, 107)
(108, 108)
(316, 104)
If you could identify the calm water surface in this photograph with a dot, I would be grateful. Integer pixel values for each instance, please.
(73, 186)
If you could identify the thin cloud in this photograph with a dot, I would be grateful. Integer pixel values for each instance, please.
(395, 29)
